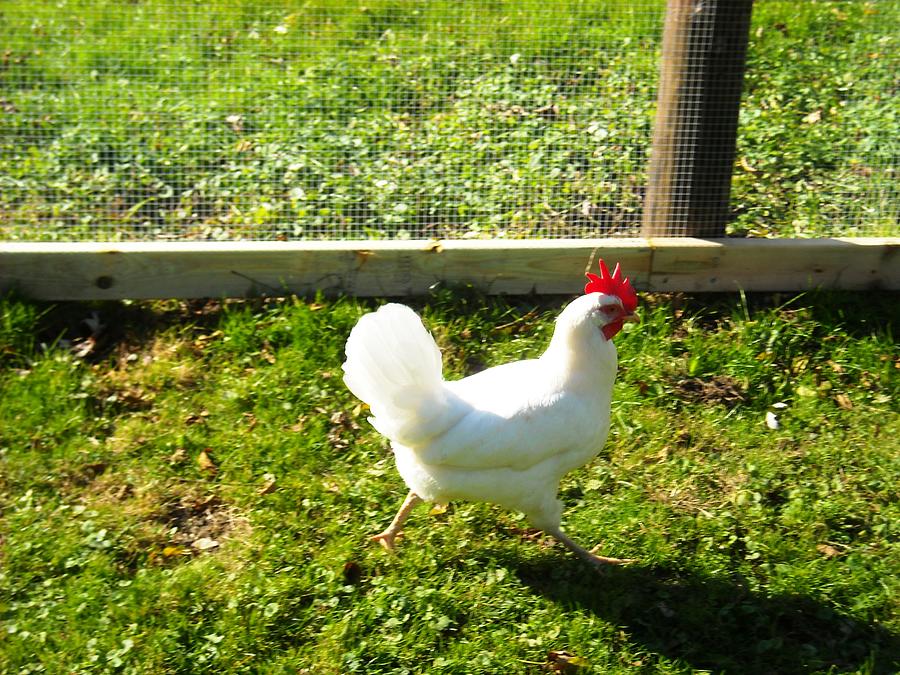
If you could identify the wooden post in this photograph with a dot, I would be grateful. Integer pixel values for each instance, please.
(703, 58)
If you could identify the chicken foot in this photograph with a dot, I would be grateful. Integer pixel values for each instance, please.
(387, 538)
(588, 556)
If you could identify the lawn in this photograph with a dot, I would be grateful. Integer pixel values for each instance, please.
(188, 487)
(334, 119)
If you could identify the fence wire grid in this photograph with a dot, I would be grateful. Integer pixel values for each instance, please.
(261, 119)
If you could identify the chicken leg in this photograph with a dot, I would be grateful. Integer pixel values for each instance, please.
(588, 556)
(386, 538)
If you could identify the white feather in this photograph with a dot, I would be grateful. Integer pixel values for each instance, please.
(505, 435)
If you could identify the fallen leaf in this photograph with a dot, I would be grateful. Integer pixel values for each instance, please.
(341, 424)
(813, 117)
(211, 336)
(124, 492)
(564, 662)
(332, 486)
(172, 551)
(844, 401)
(201, 505)
(827, 550)
(196, 418)
(236, 122)
(268, 488)
(352, 573)
(94, 469)
(205, 544)
(747, 166)
(84, 348)
(178, 456)
(204, 461)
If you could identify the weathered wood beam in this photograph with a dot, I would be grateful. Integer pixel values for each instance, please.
(91, 271)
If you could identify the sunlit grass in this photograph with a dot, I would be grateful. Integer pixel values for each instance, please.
(195, 492)
(429, 119)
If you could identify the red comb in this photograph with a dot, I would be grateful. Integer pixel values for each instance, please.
(612, 284)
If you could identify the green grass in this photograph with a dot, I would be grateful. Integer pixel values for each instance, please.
(758, 550)
(386, 119)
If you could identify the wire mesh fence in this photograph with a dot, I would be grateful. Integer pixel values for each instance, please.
(331, 119)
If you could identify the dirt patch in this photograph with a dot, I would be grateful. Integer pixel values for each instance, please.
(719, 389)
(199, 524)
(342, 429)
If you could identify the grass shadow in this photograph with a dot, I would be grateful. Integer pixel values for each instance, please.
(716, 624)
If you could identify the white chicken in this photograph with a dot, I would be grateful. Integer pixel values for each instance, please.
(505, 435)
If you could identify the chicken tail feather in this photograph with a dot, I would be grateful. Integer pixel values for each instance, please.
(394, 365)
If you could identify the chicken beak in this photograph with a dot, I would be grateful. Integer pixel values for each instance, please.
(631, 318)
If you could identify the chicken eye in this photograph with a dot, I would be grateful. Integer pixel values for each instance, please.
(609, 310)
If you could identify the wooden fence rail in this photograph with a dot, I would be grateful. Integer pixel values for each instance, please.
(704, 53)
(91, 271)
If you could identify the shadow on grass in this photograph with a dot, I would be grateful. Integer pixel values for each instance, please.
(715, 624)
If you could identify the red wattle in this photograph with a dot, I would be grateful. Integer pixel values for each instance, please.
(613, 327)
